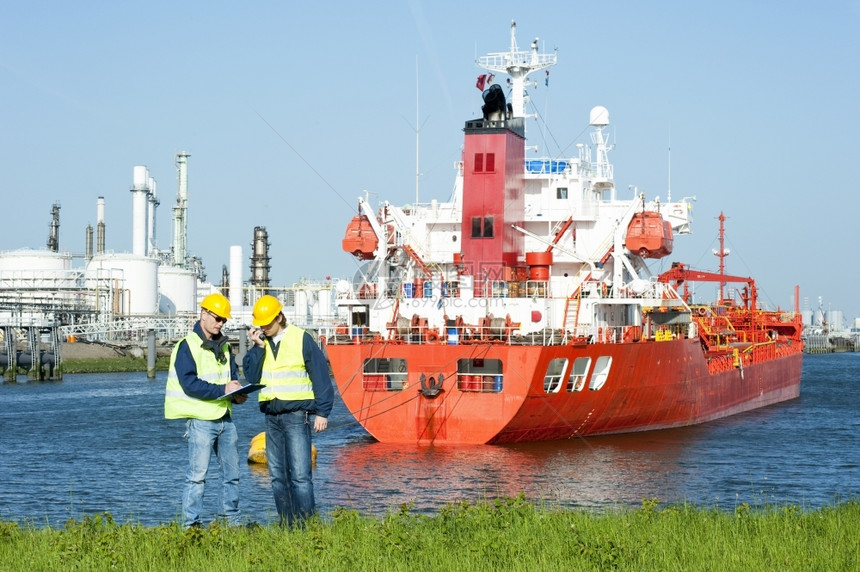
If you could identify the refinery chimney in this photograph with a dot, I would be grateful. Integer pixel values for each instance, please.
(89, 242)
(150, 222)
(100, 226)
(54, 236)
(180, 212)
(260, 258)
(139, 209)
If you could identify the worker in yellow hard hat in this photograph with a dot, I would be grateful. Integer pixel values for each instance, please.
(298, 394)
(202, 371)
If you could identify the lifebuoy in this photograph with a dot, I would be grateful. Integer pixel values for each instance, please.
(432, 336)
(703, 311)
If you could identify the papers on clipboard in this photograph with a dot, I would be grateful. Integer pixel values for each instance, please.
(245, 389)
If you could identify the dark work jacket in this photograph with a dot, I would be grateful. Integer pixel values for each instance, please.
(316, 365)
(186, 370)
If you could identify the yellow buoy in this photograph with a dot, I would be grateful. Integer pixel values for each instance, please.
(257, 451)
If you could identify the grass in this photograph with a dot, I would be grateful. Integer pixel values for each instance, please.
(117, 364)
(502, 534)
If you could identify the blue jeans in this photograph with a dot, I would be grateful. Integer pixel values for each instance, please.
(288, 452)
(203, 438)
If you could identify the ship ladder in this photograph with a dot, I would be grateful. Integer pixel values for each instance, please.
(418, 261)
(573, 320)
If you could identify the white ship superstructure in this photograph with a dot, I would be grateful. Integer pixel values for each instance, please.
(574, 231)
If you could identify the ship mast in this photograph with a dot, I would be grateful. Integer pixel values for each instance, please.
(518, 65)
(722, 252)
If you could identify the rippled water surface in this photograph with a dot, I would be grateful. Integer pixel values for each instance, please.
(99, 443)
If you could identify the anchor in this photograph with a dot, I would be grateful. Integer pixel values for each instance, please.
(432, 387)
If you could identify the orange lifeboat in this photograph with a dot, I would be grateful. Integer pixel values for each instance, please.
(649, 236)
(360, 240)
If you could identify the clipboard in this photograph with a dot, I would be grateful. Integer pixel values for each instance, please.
(244, 390)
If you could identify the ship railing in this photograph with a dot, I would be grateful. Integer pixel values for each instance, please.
(613, 334)
(537, 289)
(504, 60)
(516, 289)
(466, 381)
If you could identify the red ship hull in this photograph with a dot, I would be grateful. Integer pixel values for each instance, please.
(650, 385)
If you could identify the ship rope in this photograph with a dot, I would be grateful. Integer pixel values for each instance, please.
(350, 420)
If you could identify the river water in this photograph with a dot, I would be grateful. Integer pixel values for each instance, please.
(99, 443)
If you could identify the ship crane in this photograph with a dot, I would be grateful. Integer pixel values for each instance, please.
(679, 273)
(825, 326)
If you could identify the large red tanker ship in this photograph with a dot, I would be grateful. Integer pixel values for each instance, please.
(524, 308)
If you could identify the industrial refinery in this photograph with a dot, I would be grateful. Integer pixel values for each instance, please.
(48, 296)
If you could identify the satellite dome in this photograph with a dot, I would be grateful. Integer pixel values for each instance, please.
(599, 116)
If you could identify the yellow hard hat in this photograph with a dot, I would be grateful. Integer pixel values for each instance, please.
(266, 310)
(218, 304)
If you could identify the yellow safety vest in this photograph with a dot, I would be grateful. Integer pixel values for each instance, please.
(177, 403)
(285, 376)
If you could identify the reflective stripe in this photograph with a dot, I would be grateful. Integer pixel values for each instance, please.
(285, 376)
(177, 403)
(288, 389)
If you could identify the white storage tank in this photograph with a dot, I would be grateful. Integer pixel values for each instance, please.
(28, 269)
(323, 308)
(132, 281)
(177, 289)
(300, 315)
(29, 259)
(835, 319)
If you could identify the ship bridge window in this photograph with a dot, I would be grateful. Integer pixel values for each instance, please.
(482, 375)
(384, 374)
(482, 227)
(576, 381)
(561, 192)
(601, 372)
(554, 374)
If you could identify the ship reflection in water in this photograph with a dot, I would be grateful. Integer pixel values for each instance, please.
(612, 470)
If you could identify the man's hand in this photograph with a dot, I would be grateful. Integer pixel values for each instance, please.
(256, 337)
(320, 423)
(233, 385)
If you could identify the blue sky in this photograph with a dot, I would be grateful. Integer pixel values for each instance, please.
(291, 110)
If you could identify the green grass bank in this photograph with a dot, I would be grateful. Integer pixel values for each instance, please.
(82, 357)
(504, 534)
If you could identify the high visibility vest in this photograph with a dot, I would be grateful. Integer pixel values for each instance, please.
(285, 376)
(177, 403)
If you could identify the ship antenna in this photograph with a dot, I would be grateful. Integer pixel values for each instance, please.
(669, 190)
(417, 129)
(722, 252)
